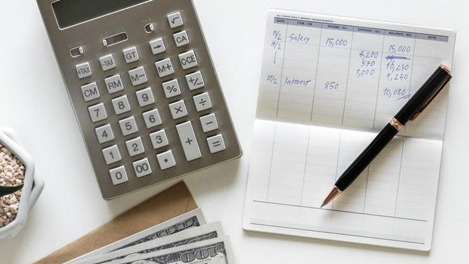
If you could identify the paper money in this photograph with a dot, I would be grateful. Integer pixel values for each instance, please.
(190, 236)
(183, 222)
(213, 251)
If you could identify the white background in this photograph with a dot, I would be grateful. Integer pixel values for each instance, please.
(33, 102)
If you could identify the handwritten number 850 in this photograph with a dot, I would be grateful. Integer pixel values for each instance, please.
(331, 86)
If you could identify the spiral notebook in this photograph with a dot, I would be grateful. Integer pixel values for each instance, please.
(328, 86)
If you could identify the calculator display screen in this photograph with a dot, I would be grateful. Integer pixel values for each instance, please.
(72, 12)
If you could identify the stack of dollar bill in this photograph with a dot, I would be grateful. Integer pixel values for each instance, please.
(184, 239)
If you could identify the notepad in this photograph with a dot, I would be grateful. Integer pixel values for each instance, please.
(328, 86)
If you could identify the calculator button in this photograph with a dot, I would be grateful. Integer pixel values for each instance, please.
(152, 118)
(181, 38)
(166, 160)
(128, 126)
(131, 55)
(159, 139)
(107, 62)
(114, 84)
(138, 76)
(90, 92)
(216, 144)
(157, 46)
(164, 67)
(97, 112)
(175, 20)
(142, 168)
(83, 70)
(188, 60)
(135, 147)
(118, 175)
(178, 109)
(121, 105)
(202, 102)
(209, 123)
(195, 80)
(189, 141)
(171, 88)
(104, 134)
(112, 155)
(145, 97)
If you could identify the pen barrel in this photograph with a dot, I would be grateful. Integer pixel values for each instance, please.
(366, 157)
(424, 96)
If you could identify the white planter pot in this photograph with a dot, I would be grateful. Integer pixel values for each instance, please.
(31, 191)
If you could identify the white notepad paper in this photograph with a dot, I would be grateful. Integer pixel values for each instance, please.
(328, 86)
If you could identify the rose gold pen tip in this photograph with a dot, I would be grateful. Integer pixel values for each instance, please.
(323, 205)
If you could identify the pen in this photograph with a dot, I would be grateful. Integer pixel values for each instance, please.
(411, 110)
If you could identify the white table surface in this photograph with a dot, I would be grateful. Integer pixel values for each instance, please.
(33, 102)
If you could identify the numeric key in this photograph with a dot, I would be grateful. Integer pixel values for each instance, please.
(112, 155)
(142, 168)
(97, 112)
(135, 147)
(104, 134)
(159, 139)
(121, 105)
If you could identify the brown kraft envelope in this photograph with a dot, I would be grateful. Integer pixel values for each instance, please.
(171, 203)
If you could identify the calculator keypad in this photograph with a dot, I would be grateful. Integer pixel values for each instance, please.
(155, 108)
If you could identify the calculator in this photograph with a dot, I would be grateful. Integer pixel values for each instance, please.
(143, 87)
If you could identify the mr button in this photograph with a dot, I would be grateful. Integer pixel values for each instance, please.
(188, 60)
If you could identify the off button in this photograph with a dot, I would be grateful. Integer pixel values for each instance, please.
(188, 60)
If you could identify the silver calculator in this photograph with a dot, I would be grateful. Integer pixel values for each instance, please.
(143, 87)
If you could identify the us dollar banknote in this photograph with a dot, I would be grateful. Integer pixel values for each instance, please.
(183, 222)
(214, 251)
(190, 236)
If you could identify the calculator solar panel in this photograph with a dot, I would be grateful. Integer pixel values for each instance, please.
(143, 87)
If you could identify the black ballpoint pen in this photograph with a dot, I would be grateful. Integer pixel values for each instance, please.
(411, 110)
